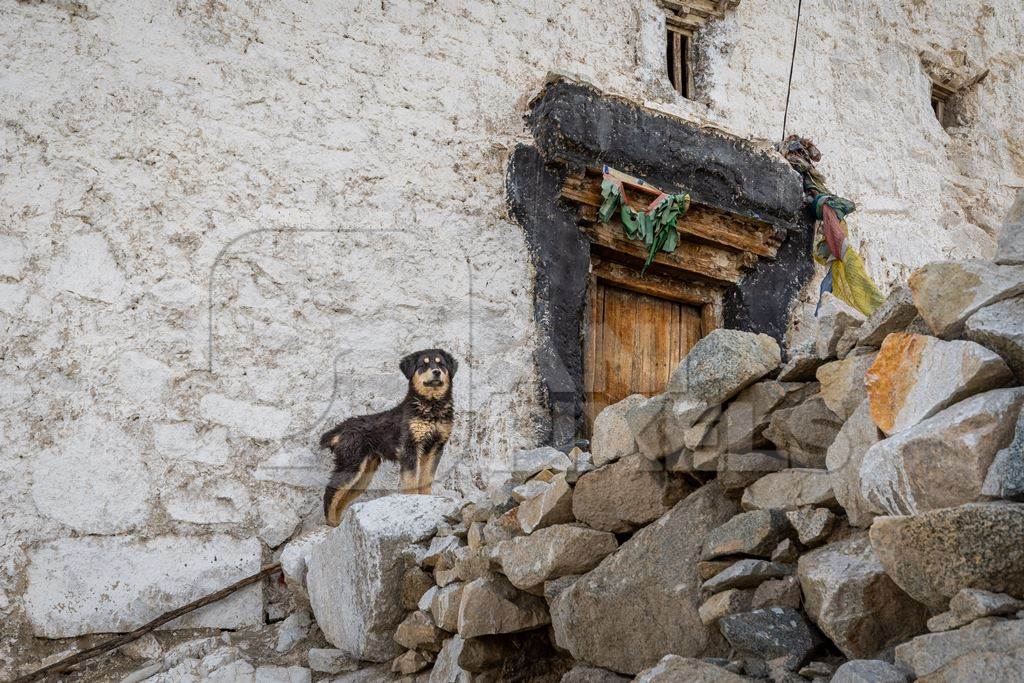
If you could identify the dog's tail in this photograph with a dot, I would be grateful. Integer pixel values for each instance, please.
(330, 438)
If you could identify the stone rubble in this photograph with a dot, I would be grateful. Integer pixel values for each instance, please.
(751, 523)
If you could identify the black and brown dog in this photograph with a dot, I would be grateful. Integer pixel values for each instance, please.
(412, 433)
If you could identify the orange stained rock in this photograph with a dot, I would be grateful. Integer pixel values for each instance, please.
(892, 375)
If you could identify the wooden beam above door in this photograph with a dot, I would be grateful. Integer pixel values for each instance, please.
(715, 245)
(701, 223)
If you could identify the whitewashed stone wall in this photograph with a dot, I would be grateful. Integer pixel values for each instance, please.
(222, 223)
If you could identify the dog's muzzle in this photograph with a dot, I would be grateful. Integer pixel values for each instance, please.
(435, 380)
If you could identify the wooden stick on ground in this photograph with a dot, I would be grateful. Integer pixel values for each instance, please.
(118, 641)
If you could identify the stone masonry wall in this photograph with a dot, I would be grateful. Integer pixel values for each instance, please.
(222, 223)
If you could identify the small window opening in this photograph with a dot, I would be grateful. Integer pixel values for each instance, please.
(679, 61)
(941, 96)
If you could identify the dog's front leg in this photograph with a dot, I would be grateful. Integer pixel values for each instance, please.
(426, 466)
(409, 465)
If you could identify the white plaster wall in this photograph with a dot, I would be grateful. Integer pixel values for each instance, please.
(325, 181)
(860, 92)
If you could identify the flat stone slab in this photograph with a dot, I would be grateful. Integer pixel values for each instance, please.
(115, 584)
(746, 574)
(757, 533)
(790, 489)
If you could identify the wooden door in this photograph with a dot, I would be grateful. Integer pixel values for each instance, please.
(635, 340)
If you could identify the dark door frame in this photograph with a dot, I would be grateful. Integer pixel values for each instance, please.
(575, 127)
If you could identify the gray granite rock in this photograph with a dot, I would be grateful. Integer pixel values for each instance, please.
(419, 632)
(553, 505)
(493, 605)
(935, 554)
(525, 464)
(848, 595)
(800, 367)
(611, 436)
(741, 426)
(895, 314)
(868, 671)
(674, 669)
(1000, 327)
(943, 461)
(973, 603)
(625, 494)
(355, 579)
(582, 673)
(947, 293)
(661, 424)
(844, 459)
(1005, 477)
(604, 617)
(812, 525)
(730, 601)
(746, 574)
(722, 364)
(737, 471)
(784, 592)
(929, 654)
(770, 633)
(330, 661)
(790, 489)
(556, 551)
(842, 383)
(836, 318)
(804, 431)
(756, 533)
(444, 606)
(446, 667)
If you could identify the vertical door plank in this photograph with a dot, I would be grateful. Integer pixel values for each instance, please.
(634, 343)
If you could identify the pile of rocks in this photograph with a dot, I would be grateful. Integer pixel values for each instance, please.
(854, 514)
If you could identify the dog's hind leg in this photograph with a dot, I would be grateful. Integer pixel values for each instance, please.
(346, 485)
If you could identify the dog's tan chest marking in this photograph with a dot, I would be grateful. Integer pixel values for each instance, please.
(421, 430)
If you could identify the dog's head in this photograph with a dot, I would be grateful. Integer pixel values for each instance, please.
(430, 372)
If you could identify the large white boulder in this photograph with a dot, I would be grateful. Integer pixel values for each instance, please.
(354, 574)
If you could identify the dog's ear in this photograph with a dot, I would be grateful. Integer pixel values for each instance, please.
(408, 365)
(450, 361)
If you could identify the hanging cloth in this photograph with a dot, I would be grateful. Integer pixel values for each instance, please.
(846, 276)
(654, 225)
